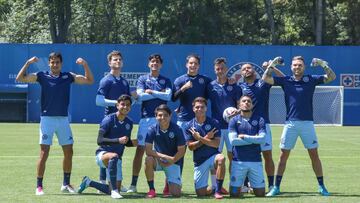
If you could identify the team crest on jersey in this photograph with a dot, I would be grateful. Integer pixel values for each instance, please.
(234, 71)
(171, 135)
(65, 77)
(127, 126)
(306, 79)
(201, 80)
(207, 127)
(162, 82)
(229, 88)
(254, 122)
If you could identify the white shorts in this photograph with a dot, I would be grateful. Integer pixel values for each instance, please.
(268, 139)
(172, 172)
(225, 139)
(252, 170)
(201, 173)
(59, 125)
(143, 129)
(100, 163)
(304, 129)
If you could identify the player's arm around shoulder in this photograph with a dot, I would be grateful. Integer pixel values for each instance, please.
(86, 79)
(22, 76)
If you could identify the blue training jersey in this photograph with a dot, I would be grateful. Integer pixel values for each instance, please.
(199, 85)
(160, 84)
(55, 93)
(112, 88)
(252, 126)
(113, 128)
(299, 95)
(222, 97)
(259, 91)
(166, 142)
(204, 152)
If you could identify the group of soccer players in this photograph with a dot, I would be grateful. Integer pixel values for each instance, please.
(246, 136)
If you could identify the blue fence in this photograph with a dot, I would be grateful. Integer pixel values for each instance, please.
(343, 60)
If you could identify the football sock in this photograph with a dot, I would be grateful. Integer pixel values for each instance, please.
(39, 181)
(278, 180)
(271, 181)
(151, 185)
(66, 178)
(112, 171)
(134, 180)
(219, 184)
(99, 186)
(320, 180)
(102, 175)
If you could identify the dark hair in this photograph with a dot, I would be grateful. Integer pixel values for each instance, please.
(163, 107)
(199, 99)
(54, 55)
(245, 96)
(220, 60)
(156, 56)
(114, 53)
(298, 58)
(193, 56)
(124, 97)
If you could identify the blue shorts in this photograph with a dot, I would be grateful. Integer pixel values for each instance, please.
(268, 139)
(100, 163)
(201, 173)
(59, 125)
(225, 139)
(252, 170)
(304, 129)
(172, 172)
(144, 125)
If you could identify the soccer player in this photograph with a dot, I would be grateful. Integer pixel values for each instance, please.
(246, 133)
(152, 90)
(203, 138)
(259, 91)
(165, 146)
(299, 90)
(55, 98)
(112, 86)
(114, 133)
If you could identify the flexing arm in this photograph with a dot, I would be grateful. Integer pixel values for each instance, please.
(22, 76)
(330, 75)
(81, 79)
(267, 76)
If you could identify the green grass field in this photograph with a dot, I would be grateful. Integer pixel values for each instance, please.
(339, 151)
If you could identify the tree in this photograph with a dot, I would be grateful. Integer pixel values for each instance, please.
(59, 14)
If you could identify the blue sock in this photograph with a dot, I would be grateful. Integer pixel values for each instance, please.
(99, 186)
(112, 166)
(151, 185)
(278, 180)
(320, 180)
(271, 180)
(66, 179)
(39, 182)
(219, 184)
(134, 180)
(102, 175)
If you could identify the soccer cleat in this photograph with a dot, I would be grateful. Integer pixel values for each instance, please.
(67, 189)
(84, 184)
(270, 188)
(39, 191)
(224, 191)
(166, 192)
(323, 191)
(132, 189)
(123, 189)
(151, 194)
(273, 192)
(217, 195)
(116, 195)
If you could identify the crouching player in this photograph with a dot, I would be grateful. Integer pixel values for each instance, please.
(165, 146)
(246, 134)
(203, 138)
(114, 133)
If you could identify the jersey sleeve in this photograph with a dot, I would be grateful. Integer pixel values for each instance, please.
(39, 76)
(318, 79)
(141, 83)
(180, 137)
(262, 125)
(104, 87)
(105, 124)
(150, 136)
(232, 125)
(279, 81)
(187, 134)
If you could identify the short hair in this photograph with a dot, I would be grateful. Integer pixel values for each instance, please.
(114, 53)
(163, 107)
(245, 96)
(54, 55)
(199, 99)
(298, 58)
(124, 97)
(193, 56)
(156, 56)
(220, 60)
(246, 64)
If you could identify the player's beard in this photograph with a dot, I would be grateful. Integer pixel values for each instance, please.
(246, 110)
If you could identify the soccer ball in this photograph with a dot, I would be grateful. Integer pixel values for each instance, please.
(227, 112)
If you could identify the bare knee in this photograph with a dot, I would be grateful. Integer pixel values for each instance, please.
(149, 161)
(220, 160)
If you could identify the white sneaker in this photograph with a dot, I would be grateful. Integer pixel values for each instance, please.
(132, 189)
(116, 195)
(39, 191)
(67, 189)
(244, 189)
(123, 189)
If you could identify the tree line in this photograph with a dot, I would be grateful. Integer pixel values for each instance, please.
(270, 22)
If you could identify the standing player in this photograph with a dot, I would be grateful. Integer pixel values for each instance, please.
(299, 90)
(165, 146)
(152, 90)
(55, 98)
(259, 91)
(203, 138)
(114, 133)
(246, 132)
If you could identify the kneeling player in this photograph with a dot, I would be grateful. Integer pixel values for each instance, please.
(114, 133)
(246, 134)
